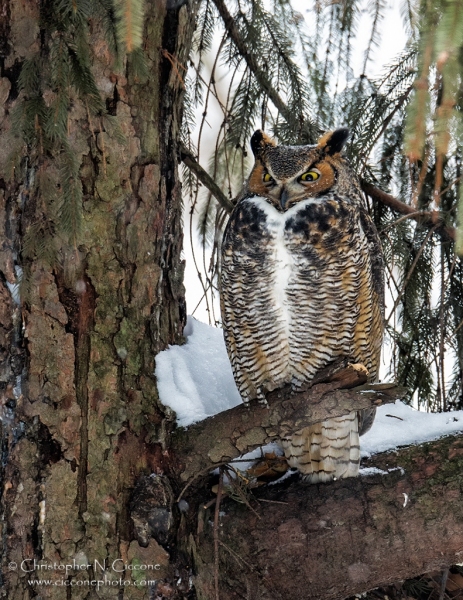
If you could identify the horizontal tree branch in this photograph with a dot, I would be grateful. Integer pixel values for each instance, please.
(234, 432)
(333, 540)
(423, 217)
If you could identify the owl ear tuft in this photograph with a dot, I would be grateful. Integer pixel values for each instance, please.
(333, 141)
(260, 141)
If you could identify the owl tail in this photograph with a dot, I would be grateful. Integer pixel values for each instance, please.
(326, 451)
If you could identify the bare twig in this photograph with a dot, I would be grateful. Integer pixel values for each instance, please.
(443, 583)
(216, 535)
(238, 559)
(205, 178)
(412, 215)
(410, 272)
(175, 65)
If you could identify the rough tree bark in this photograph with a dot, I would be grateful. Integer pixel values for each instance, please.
(330, 541)
(88, 420)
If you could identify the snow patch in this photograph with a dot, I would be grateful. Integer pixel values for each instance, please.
(401, 425)
(366, 471)
(196, 381)
(14, 287)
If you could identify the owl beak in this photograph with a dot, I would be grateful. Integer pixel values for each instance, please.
(284, 198)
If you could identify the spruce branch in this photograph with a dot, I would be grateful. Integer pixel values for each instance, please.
(130, 22)
(426, 218)
(410, 272)
(262, 79)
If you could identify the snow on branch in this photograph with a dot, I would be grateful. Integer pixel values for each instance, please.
(338, 390)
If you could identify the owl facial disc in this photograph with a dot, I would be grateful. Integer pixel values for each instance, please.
(286, 175)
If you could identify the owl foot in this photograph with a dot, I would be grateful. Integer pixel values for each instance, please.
(299, 386)
(359, 368)
(261, 398)
(320, 477)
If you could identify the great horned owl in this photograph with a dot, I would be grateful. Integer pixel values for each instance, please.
(301, 285)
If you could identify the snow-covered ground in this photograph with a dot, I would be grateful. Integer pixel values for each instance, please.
(196, 381)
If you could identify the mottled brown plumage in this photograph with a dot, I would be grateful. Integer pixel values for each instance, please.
(301, 285)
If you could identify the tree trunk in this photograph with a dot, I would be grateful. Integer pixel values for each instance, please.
(88, 421)
(330, 541)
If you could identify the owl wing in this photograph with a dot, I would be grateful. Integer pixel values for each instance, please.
(376, 256)
(248, 311)
(366, 417)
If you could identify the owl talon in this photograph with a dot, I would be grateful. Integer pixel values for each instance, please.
(262, 399)
(296, 386)
(299, 386)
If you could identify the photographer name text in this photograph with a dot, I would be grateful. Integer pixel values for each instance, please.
(31, 565)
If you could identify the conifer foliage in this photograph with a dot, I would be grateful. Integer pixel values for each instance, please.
(291, 75)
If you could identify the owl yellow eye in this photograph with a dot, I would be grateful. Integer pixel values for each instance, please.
(309, 176)
(267, 178)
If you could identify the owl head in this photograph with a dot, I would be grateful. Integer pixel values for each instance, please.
(286, 175)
